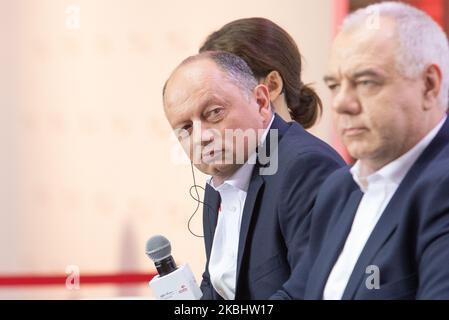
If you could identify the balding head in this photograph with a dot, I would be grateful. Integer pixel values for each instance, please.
(233, 67)
(206, 97)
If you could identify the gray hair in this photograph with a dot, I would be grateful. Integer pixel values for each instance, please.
(422, 41)
(235, 68)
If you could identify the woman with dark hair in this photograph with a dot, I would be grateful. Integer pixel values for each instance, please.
(275, 60)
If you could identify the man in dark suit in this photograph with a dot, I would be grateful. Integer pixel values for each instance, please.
(380, 229)
(257, 199)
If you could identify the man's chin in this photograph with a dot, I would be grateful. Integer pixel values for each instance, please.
(361, 153)
(214, 169)
(355, 154)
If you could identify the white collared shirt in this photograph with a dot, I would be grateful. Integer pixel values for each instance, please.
(378, 188)
(224, 253)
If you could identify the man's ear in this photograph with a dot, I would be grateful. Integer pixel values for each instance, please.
(432, 86)
(274, 83)
(262, 97)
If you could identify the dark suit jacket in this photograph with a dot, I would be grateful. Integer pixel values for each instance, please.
(275, 221)
(409, 244)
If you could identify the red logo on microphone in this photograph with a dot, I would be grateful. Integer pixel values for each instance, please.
(183, 289)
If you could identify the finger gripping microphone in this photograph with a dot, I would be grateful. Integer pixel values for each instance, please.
(172, 282)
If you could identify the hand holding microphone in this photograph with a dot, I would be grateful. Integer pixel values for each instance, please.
(172, 283)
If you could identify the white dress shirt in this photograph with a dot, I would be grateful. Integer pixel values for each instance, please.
(378, 188)
(224, 253)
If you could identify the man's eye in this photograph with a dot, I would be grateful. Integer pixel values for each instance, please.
(366, 83)
(215, 113)
(184, 132)
(187, 127)
(333, 86)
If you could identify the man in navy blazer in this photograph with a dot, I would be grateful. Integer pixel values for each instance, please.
(380, 229)
(256, 212)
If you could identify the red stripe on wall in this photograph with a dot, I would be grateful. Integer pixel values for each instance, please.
(340, 9)
(435, 8)
(84, 279)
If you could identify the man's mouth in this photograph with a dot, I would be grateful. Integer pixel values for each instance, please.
(211, 156)
(352, 132)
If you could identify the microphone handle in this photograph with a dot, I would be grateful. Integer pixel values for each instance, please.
(165, 266)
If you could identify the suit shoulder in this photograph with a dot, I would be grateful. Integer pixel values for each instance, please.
(432, 186)
(297, 142)
(340, 179)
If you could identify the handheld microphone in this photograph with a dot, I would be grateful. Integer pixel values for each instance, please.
(172, 282)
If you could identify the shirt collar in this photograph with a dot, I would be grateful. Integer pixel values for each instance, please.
(241, 178)
(395, 171)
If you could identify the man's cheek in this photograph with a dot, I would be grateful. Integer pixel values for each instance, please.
(193, 152)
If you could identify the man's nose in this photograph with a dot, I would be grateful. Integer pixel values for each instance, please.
(207, 136)
(203, 135)
(346, 100)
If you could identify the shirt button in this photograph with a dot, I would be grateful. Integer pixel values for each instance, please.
(233, 209)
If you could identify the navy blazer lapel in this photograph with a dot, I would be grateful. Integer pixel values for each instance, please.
(390, 217)
(211, 203)
(254, 188)
(248, 212)
(384, 228)
(331, 247)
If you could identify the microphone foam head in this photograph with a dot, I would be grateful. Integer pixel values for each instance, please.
(158, 248)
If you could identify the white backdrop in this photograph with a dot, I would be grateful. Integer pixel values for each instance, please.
(85, 171)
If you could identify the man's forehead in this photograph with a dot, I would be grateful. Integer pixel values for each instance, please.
(192, 77)
(368, 28)
(196, 69)
(358, 48)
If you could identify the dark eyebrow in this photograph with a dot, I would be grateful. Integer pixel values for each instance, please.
(209, 101)
(329, 78)
(206, 103)
(366, 73)
(356, 75)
